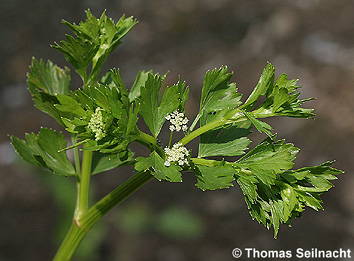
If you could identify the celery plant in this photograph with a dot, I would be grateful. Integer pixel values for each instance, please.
(101, 120)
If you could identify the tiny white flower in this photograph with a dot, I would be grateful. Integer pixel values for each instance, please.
(178, 154)
(178, 121)
(96, 124)
(167, 163)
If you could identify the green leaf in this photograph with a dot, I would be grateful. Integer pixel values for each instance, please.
(160, 171)
(25, 152)
(281, 97)
(102, 162)
(268, 159)
(139, 82)
(261, 126)
(218, 94)
(78, 52)
(70, 105)
(45, 81)
(265, 82)
(287, 197)
(48, 78)
(317, 177)
(248, 185)
(92, 41)
(42, 150)
(228, 141)
(152, 109)
(277, 156)
(212, 178)
(310, 200)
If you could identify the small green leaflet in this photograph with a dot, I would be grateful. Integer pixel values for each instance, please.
(139, 82)
(160, 171)
(212, 178)
(281, 97)
(261, 126)
(288, 196)
(48, 77)
(45, 81)
(93, 40)
(265, 82)
(153, 108)
(227, 141)
(42, 150)
(218, 94)
(268, 159)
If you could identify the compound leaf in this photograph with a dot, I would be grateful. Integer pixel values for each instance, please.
(212, 178)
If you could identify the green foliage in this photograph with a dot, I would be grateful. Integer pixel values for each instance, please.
(212, 178)
(45, 81)
(102, 117)
(287, 197)
(159, 170)
(281, 96)
(154, 108)
(42, 150)
(227, 141)
(92, 42)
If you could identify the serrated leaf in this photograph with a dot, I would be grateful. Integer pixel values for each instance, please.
(265, 82)
(160, 171)
(50, 142)
(228, 141)
(24, 151)
(248, 185)
(285, 200)
(288, 195)
(261, 126)
(139, 82)
(45, 81)
(281, 97)
(277, 156)
(48, 77)
(310, 200)
(91, 43)
(70, 105)
(152, 109)
(42, 150)
(78, 52)
(218, 94)
(212, 178)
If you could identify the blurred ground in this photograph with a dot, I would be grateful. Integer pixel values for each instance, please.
(308, 39)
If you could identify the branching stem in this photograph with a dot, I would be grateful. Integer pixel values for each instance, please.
(96, 212)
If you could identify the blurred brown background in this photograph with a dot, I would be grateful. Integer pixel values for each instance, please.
(308, 39)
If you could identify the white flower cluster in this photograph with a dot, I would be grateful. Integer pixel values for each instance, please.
(178, 121)
(178, 154)
(96, 124)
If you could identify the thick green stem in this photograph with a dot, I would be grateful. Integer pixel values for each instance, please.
(77, 233)
(83, 186)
